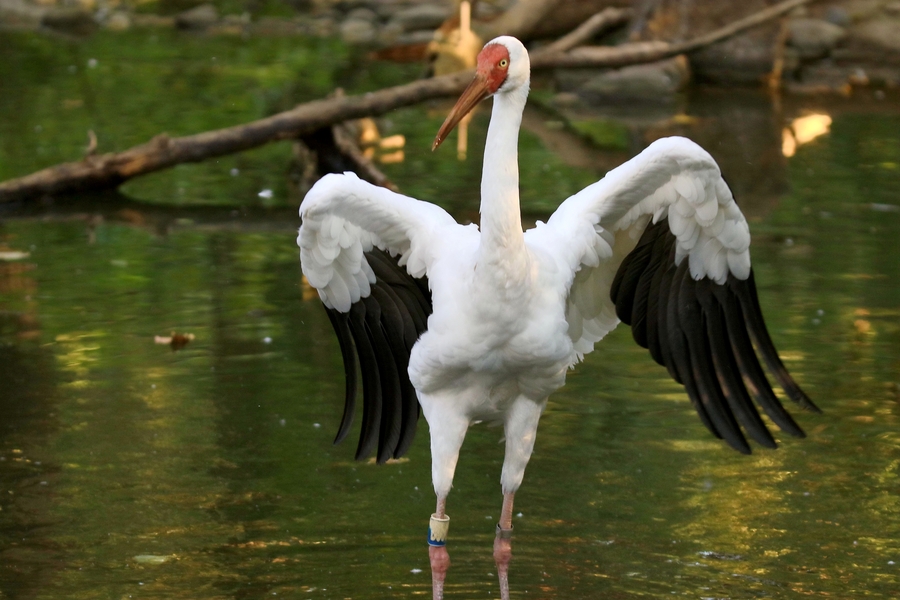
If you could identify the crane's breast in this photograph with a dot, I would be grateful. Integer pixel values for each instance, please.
(498, 333)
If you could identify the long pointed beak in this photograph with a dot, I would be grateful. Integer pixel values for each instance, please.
(475, 93)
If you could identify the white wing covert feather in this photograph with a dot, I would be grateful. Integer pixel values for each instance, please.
(594, 230)
(343, 217)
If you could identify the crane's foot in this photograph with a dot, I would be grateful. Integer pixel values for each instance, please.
(437, 553)
(502, 556)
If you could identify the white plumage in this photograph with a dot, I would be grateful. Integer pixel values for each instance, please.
(513, 310)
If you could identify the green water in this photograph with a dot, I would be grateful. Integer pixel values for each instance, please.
(128, 470)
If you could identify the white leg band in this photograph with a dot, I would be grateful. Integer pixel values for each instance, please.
(437, 530)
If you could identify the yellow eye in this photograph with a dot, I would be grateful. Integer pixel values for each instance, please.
(503, 63)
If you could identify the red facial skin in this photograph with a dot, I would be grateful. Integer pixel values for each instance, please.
(493, 62)
(490, 73)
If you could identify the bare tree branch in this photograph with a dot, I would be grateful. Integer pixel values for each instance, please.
(757, 18)
(605, 19)
(643, 52)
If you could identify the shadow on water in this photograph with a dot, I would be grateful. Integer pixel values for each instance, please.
(130, 469)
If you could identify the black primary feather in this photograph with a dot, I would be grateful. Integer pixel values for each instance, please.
(391, 413)
(341, 324)
(379, 333)
(371, 378)
(708, 336)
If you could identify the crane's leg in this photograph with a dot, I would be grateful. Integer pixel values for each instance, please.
(521, 429)
(448, 429)
(503, 544)
(437, 548)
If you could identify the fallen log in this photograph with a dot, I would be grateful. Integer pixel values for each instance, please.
(108, 171)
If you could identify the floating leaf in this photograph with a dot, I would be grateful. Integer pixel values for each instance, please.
(176, 340)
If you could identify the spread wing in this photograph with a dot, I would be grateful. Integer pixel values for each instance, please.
(367, 250)
(660, 244)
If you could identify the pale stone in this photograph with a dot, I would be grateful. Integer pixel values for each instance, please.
(653, 81)
(814, 38)
(199, 17)
(70, 20)
(356, 31)
(362, 14)
(884, 33)
(423, 16)
(118, 21)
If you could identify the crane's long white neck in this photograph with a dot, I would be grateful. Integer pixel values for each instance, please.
(501, 220)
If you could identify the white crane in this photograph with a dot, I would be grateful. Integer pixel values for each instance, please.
(481, 323)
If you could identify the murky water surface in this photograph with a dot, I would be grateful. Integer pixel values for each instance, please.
(131, 470)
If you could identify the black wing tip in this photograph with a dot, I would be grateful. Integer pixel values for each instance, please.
(744, 449)
(799, 397)
(810, 407)
(703, 337)
(340, 323)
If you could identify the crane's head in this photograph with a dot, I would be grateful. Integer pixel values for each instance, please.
(502, 67)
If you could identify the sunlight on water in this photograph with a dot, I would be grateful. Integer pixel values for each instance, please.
(129, 469)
